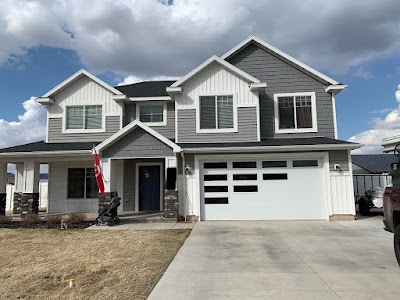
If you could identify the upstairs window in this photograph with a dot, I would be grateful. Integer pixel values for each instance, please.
(216, 112)
(84, 117)
(295, 112)
(152, 114)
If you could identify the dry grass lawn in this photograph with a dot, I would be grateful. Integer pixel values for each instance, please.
(37, 264)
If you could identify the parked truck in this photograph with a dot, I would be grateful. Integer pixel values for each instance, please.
(391, 208)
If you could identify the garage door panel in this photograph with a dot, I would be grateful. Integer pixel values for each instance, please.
(275, 190)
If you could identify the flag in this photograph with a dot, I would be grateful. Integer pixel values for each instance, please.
(98, 174)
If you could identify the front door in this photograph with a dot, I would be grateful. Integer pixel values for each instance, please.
(149, 188)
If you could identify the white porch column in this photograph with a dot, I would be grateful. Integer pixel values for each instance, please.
(106, 168)
(19, 177)
(31, 177)
(3, 177)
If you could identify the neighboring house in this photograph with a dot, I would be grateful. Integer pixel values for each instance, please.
(11, 178)
(250, 135)
(371, 171)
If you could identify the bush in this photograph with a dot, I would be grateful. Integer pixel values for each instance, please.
(54, 219)
(76, 218)
(5, 220)
(31, 219)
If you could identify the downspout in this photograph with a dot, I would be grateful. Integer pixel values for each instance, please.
(184, 182)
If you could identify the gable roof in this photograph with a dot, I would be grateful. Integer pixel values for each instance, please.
(146, 88)
(77, 76)
(128, 128)
(223, 63)
(265, 45)
(375, 163)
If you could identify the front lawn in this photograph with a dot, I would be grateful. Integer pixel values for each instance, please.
(37, 264)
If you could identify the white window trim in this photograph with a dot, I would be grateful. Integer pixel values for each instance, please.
(313, 113)
(163, 123)
(235, 116)
(103, 119)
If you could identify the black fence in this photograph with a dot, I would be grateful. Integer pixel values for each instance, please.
(363, 183)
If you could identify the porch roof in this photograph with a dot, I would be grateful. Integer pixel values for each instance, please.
(43, 147)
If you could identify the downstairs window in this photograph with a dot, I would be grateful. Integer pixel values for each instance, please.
(82, 183)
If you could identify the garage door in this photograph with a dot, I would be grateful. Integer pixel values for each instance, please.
(263, 189)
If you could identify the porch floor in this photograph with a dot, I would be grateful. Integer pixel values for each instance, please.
(144, 226)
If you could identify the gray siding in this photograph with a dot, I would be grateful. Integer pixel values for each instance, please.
(138, 143)
(339, 157)
(56, 135)
(168, 131)
(247, 128)
(189, 158)
(283, 77)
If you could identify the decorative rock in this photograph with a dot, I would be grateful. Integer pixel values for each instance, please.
(171, 204)
(26, 203)
(3, 198)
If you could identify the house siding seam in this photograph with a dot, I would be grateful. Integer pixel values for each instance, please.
(339, 157)
(168, 131)
(247, 128)
(137, 143)
(56, 135)
(282, 77)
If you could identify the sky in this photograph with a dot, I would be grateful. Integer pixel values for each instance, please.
(43, 42)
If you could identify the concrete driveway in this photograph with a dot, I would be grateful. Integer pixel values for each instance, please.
(284, 260)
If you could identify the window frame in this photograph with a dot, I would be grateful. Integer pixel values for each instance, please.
(84, 186)
(83, 130)
(216, 130)
(313, 113)
(163, 104)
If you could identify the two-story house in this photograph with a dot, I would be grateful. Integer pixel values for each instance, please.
(250, 135)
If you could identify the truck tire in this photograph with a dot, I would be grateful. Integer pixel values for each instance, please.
(363, 207)
(396, 241)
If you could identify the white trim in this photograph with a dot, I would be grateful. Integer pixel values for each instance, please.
(136, 123)
(313, 113)
(264, 44)
(45, 101)
(174, 90)
(47, 126)
(120, 98)
(351, 185)
(47, 153)
(258, 86)
(176, 123)
(334, 115)
(75, 77)
(258, 119)
(163, 104)
(328, 188)
(161, 98)
(140, 164)
(208, 62)
(293, 148)
(64, 119)
(335, 88)
(216, 130)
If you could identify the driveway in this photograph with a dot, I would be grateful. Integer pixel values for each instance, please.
(283, 260)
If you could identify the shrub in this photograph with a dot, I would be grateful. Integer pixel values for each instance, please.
(76, 218)
(54, 219)
(5, 220)
(31, 219)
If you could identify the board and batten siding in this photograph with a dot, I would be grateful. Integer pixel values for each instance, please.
(137, 143)
(55, 134)
(282, 77)
(58, 187)
(168, 130)
(84, 91)
(247, 128)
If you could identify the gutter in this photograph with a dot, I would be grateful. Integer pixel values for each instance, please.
(184, 183)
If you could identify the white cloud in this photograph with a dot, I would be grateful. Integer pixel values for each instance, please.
(382, 128)
(148, 38)
(130, 79)
(30, 127)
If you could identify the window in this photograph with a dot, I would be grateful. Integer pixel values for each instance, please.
(220, 177)
(244, 176)
(152, 114)
(244, 164)
(216, 165)
(216, 189)
(82, 183)
(223, 200)
(84, 117)
(274, 176)
(171, 179)
(305, 163)
(245, 188)
(216, 112)
(296, 112)
(274, 164)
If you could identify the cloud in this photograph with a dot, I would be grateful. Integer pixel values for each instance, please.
(150, 38)
(30, 127)
(381, 128)
(130, 79)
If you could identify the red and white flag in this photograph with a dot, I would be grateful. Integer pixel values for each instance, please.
(98, 173)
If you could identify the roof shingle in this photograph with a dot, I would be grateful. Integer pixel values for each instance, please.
(146, 88)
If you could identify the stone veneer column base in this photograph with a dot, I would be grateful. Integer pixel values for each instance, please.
(26, 203)
(105, 200)
(171, 204)
(3, 199)
(342, 218)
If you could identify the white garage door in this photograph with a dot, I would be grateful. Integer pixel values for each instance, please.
(263, 189)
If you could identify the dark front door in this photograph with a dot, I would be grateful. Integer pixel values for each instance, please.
(149, 188)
